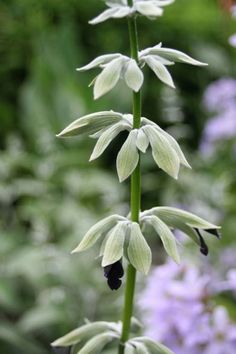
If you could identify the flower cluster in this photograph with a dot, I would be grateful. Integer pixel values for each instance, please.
(122, 237)
(179, 311)
(105, 126)
(220, 99)
(121, 8)
(117, 66)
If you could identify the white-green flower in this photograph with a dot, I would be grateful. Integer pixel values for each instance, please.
(120, 8)
(114, 67)
(157, 58)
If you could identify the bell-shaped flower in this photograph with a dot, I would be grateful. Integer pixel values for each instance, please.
(114, 67)
(120, 8)
(157, 58)
(165, 219)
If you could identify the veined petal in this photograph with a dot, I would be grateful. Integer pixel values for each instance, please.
(133, 76)
(106, 138)
(166, 236)
(96, 231)
(91, 123)
(129, 349)
(127, 158)
(142, 141)
(175, 55)
(102, 59)
(148, 8)
(139, 253)
(82, 333)
(97, 343)
(108, 77)
(160, 70)
(163, 153)
(153, 346)
(113, 250)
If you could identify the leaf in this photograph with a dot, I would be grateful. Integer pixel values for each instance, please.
(108, 77)
(91, 123)
(175, 55)
(113, 251)
(96, 231)
(166, 236)
(139, 253)
(106, 138)
(101, 60)
(163, 153)
(115, 12)
(148, 8)
(155, 347)
(142, 141)
(81, 333)
(97, 343)
(127, 158)
(160, 70)
(133, 76)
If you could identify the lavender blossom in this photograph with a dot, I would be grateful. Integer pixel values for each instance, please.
(179, 312)
(220, 99)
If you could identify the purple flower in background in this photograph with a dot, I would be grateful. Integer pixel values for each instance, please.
(220, 99)
(232, 39)
(179, 312)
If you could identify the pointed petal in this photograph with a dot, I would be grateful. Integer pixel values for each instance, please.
(81, 333)
(166, 236)
(148, 8)
(155, 347)
(103, 59)
(96, 231)
(105, 15)
(139, 253)
(176, 56)
(106, 138)
(163, 153)
(142, 141)
(97, 343)
(127, 158)
(91, 123)
(113, 251)
(133, 76)
(108, 77)
(160, 70)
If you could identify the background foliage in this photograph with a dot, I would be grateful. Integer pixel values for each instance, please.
(49, 194)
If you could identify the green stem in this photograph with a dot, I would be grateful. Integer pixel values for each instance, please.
(135, 198)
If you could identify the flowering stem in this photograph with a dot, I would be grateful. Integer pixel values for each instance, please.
(135, 199)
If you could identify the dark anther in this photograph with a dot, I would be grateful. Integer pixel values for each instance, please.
(113, 273)
(214, 232)
(62, 350)
(203, 246)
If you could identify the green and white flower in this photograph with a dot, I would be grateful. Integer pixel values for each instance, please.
(120, 8)
(157, 58)
(117, 66)
(106, 125)
(166, 219)
(114, 67)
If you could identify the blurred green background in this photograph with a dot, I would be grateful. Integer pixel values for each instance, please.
(49, 193)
